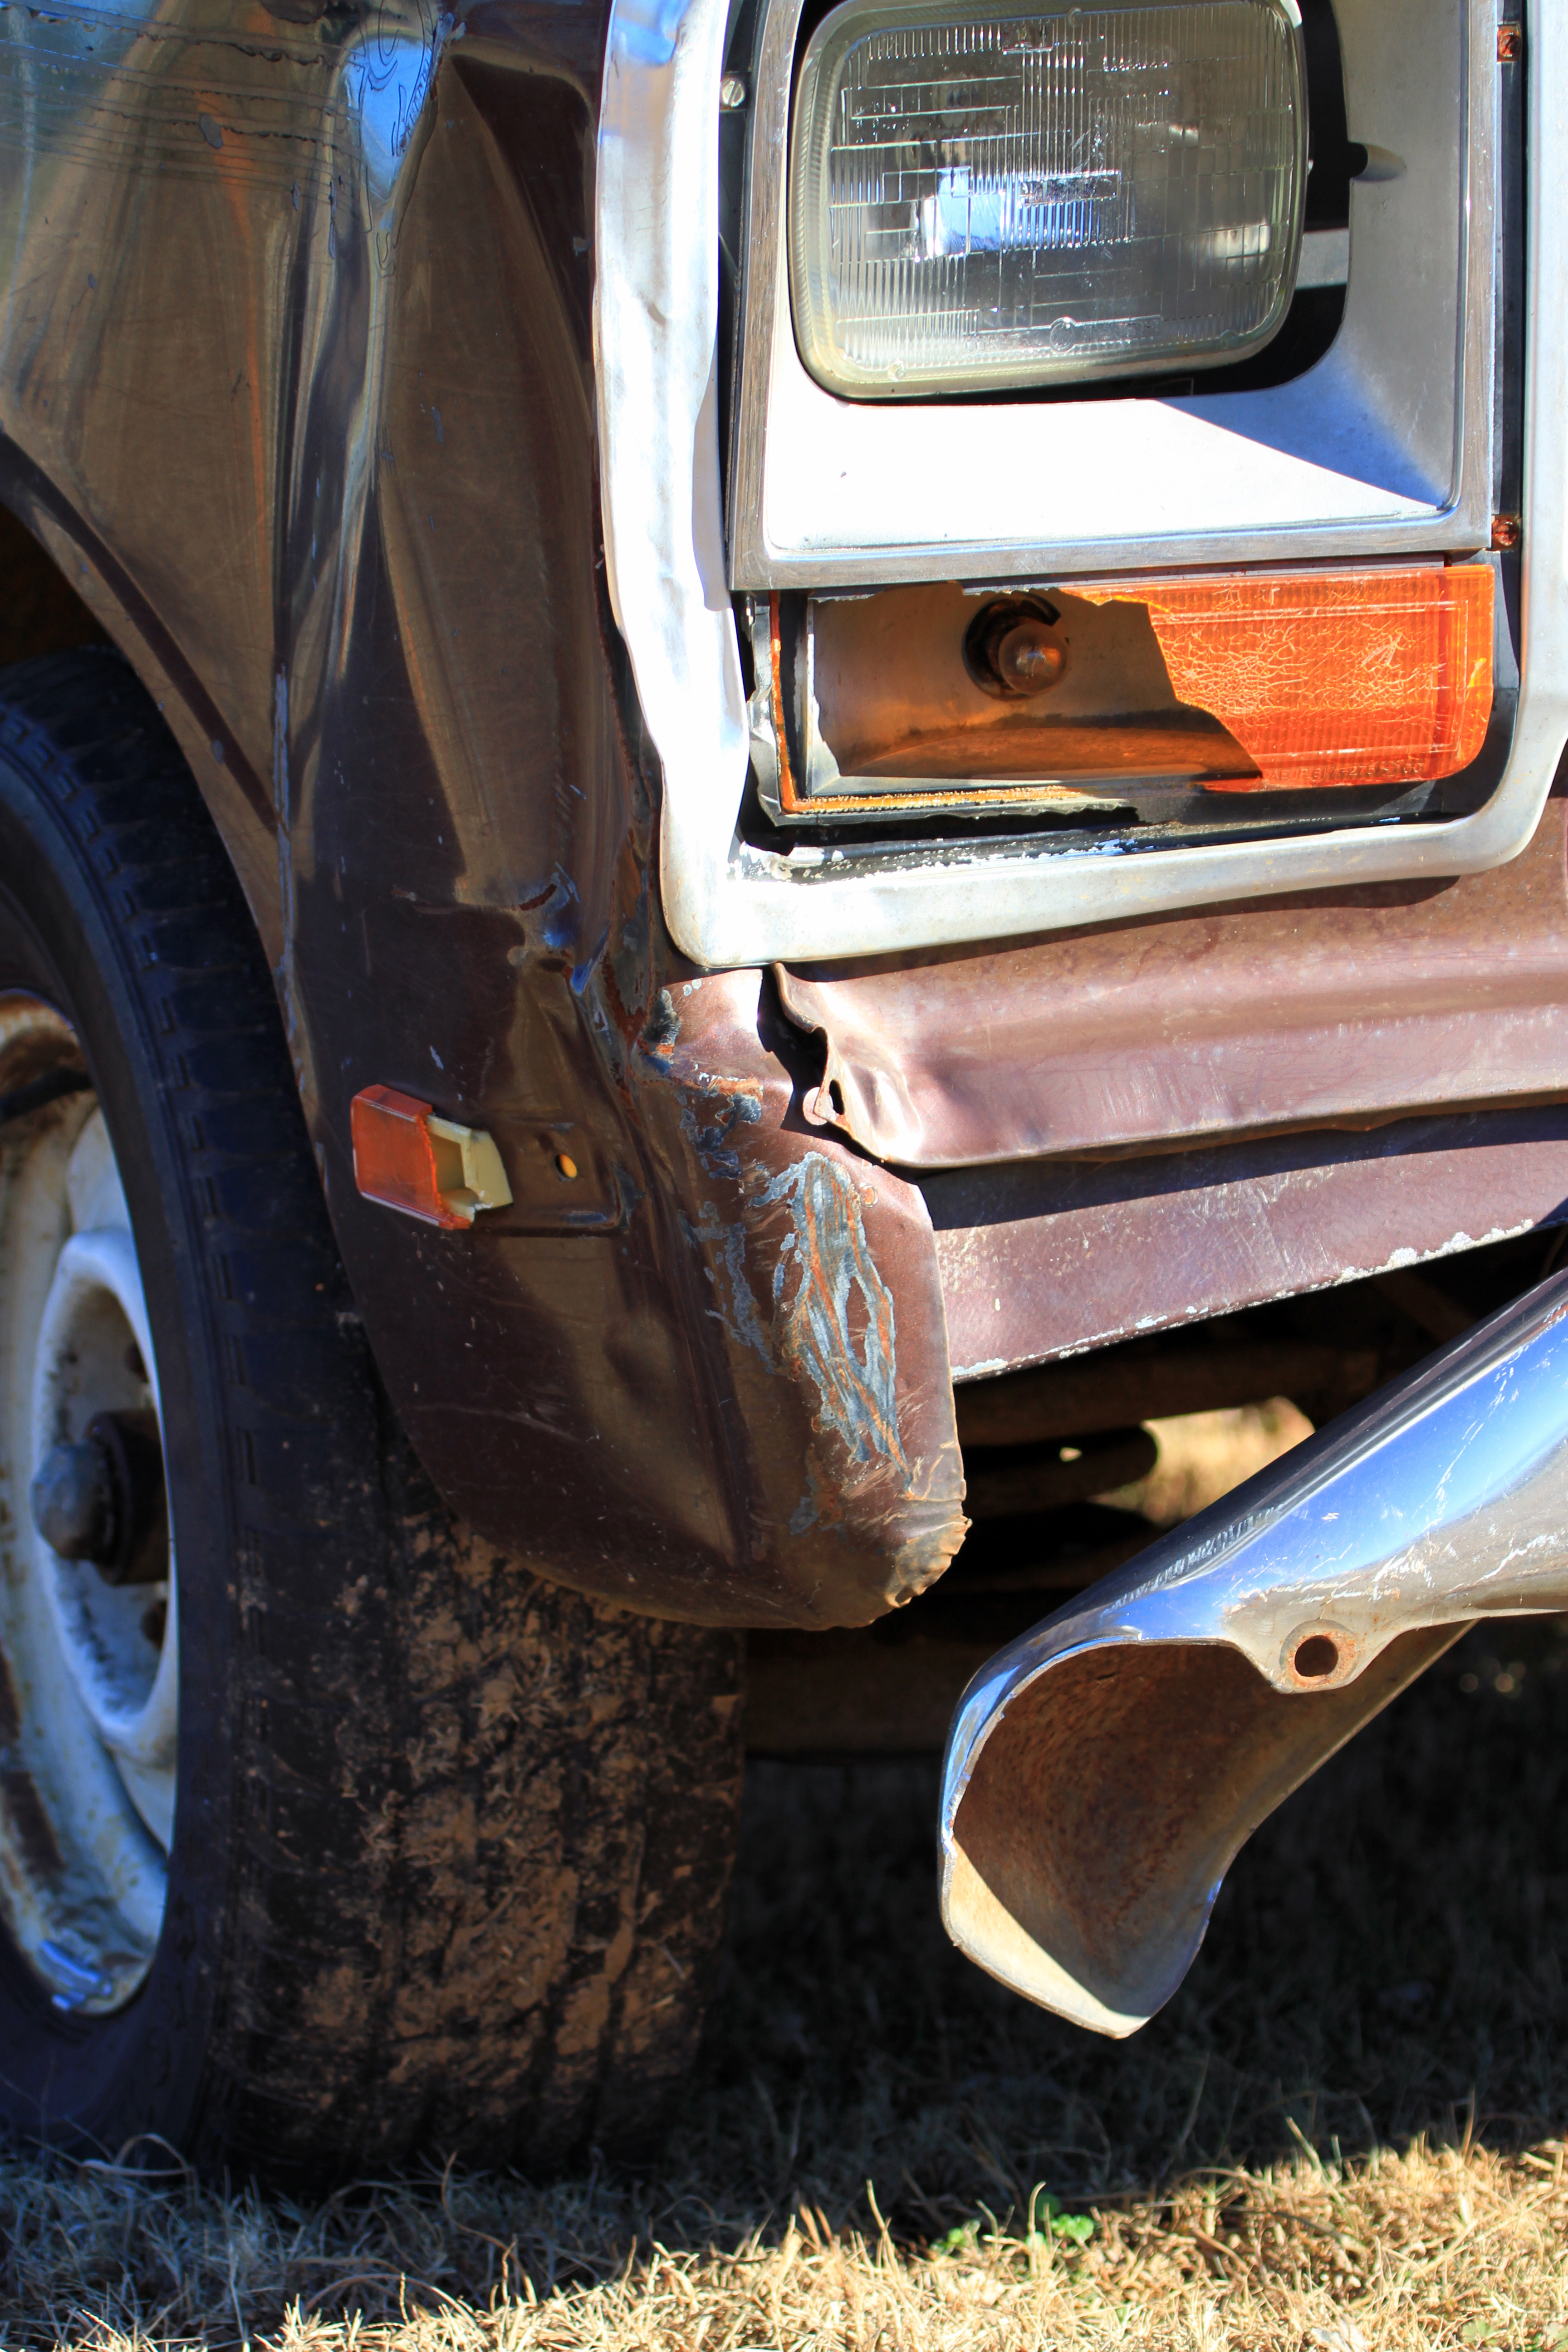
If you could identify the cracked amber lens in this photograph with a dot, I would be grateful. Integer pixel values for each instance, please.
(1373, 677)
(1003, 198)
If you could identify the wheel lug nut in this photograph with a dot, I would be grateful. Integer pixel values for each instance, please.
(73, 1502)
(103, 1499)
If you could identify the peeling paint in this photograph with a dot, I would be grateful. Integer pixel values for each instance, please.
(1402, 1258)
(728, 1244)
(1083, 1257)
(828, 1261)
(709, 1117)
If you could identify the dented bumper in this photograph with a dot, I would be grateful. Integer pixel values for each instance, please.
(1103, 1772)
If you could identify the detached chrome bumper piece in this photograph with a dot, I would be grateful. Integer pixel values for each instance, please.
(1103, 1772)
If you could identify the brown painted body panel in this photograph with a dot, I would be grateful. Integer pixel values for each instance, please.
(1343, 1005)
(296, 385)
(1045, 1258)
(732, 1403)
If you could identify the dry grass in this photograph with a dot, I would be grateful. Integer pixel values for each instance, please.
(1345, 2133)
(1423, 2250)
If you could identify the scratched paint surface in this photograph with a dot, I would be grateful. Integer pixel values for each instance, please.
(1046, 1262)
(825, 1268)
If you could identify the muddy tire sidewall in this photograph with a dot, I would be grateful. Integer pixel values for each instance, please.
(84, 2078)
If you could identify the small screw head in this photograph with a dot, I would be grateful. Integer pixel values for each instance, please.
(1505, 530)
(1510, 44)
(732, 93)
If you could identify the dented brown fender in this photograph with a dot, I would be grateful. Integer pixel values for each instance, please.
(296, 384)
(724, 1393)
(817, 1294)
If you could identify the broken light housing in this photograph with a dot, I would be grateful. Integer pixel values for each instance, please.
(998, 198)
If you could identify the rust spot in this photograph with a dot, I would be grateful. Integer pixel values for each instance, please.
(1321, 1657)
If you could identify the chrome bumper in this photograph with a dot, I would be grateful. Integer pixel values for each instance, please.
(1103, 1770)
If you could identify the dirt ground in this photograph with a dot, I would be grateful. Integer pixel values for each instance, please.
(1347, 2131)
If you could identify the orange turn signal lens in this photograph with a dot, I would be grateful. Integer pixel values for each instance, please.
(395, 1156)
(1325, 677)
(430, 1168)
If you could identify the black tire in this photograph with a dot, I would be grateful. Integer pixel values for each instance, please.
(451, 1846)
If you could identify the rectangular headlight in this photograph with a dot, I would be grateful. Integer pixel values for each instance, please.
(1002, 199)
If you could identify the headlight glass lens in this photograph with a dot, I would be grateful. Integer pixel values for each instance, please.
(1007, 199)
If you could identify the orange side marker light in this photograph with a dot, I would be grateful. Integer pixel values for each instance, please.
(429, 1168)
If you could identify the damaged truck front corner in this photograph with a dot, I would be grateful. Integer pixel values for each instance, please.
(744, 801)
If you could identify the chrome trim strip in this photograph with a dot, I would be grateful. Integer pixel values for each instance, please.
(655, 329)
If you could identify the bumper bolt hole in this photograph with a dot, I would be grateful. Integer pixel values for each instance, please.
(1316, 1658)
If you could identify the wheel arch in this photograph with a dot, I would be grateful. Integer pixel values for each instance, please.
(61, 587)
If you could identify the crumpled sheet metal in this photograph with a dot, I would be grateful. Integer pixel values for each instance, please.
(815, 1334)
(1103, 1772)
(1271, 1011)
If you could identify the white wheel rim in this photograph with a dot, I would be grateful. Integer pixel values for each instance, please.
(89, 1724)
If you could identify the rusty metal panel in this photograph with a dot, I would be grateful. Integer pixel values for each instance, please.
(1343, 1005)
(1046, 1259)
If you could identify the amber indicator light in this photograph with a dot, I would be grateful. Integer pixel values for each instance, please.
(395, 1156)
(1307, 679)
(1368, 678)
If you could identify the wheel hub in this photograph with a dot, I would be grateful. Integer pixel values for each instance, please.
(103, 1500)
(88, 1695)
